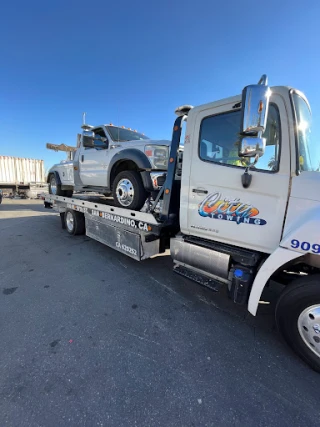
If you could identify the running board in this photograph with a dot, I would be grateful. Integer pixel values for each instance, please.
(197, 277)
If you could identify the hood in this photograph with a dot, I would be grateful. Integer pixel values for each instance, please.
(306, 186)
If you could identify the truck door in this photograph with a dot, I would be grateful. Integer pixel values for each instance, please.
(93, 161)
(219, 207)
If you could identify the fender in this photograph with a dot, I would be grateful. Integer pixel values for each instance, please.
(301, 234)
(57, 176)
(278, 258)
(132, 154)
(300, 237)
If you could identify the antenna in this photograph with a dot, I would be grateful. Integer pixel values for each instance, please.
(84, 126)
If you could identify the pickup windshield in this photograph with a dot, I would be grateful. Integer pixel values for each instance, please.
(122, 135)
(308, 154)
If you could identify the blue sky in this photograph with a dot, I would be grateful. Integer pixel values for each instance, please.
(133, 62)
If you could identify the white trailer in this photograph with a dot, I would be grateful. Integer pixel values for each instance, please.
(229, 221)
(22, 174)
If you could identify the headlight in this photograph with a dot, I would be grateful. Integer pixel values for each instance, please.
(158, 155)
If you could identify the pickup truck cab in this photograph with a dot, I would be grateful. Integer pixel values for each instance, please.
(113, 160)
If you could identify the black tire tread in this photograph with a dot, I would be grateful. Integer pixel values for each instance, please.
(60, 192)
(79, 223)
(297, 296)
(68, 193)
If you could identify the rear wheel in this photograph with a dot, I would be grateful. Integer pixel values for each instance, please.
(54, 187)
(298, 318)
(128, 190)
(75, 223)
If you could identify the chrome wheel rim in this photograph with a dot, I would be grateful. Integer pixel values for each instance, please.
(309, 328)
(53, 185)
(125, 192)
(69, 221)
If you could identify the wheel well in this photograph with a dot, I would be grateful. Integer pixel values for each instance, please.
(122, 165)
(294, 269)
(48, 177)
(57, 176)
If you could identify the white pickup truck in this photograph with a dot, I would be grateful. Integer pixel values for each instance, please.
(113, 160)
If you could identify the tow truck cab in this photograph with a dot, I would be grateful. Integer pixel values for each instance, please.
(235, 213)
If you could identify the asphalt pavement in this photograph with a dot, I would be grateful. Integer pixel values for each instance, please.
(90, 337)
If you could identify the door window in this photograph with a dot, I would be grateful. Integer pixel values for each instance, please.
(219, 140)
(100, 140)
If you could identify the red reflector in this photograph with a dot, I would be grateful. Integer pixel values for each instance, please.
(148, 153)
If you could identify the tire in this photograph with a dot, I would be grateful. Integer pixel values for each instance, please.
(298, 318)
(68, 193)
(128, 190)
(74, 222)
(54, 187)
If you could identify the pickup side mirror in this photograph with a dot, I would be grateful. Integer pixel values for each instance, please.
(88, 139)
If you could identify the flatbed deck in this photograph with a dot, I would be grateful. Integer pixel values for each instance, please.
(137, 234)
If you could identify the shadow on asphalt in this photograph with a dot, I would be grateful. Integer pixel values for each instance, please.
(10, 207)
(85, 328)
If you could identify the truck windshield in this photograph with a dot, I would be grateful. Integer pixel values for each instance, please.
(308, 152)
(122, 135)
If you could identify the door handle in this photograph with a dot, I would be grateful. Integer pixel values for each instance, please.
(82, 158)
(199, 191)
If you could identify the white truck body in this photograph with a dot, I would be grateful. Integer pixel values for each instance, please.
(240, 224)
(93, 169)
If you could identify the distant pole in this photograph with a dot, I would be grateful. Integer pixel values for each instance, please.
(84, 118)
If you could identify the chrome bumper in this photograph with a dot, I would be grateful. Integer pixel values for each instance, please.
(158, 179)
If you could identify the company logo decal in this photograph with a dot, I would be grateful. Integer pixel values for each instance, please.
(214, 206)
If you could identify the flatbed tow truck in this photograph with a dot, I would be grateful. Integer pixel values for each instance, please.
(243, 211)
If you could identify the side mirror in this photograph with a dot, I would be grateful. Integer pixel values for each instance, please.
(88, 139)
(255, 105)
(252, 146)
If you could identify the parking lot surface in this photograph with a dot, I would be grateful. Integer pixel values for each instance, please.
(90, 337)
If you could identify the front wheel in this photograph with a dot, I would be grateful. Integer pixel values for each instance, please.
(128, 190)
(298, 318)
